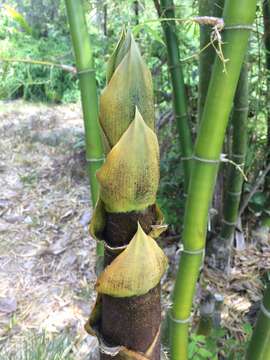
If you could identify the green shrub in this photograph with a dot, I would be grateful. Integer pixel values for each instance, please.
(35, 82)
(171, 192)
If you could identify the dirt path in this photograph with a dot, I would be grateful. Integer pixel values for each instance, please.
(46, 254)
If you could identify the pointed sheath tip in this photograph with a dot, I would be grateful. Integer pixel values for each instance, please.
(138, 119)
(136, 270)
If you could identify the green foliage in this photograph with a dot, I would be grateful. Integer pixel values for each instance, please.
(171, 191)
(50, 40)
(198, 348)
(219, 345)
(35, 82)
(19, 18)
(258, 202)
(20, 42)
(29, 179)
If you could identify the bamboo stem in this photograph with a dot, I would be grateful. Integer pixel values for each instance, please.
(259, 348)
(166, 10)
(207, 153)
(86, 72)
(235, 178)
(207, 57)
(266, 18)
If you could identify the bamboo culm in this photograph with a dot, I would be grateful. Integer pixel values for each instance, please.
(207, 56)
(259, 348)
(266, 18)
(235, 178)
(206, 157)
(87, 82)
(85, 69)
(179, 92)
(165, 9)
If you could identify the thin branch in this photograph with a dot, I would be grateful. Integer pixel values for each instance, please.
(67, 68)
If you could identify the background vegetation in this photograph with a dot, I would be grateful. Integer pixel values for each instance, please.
(39, 32)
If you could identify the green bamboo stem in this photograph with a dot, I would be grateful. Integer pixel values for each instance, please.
(207, 56)
(208, 148)
(86, 72)
(166, 10)
(259, 347)
(266, 18)
(235, 178)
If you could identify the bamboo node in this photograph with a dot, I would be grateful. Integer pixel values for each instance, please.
(241, 109)
(239, 27)
(186, 158)
(179, 321)
(229, 223)
(194, 252)
(95, 159)
(181, 116)
(85, 71)
(209, 161)
(191, 252)
(232, 193)
(239, 156)
(172, 67)
(265, 311)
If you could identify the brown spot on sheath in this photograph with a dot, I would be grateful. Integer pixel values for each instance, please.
(132, 322)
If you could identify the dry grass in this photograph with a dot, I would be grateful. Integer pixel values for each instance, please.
(243, 288)
(46, 254)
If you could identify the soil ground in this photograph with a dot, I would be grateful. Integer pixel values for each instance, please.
(47, 257)
(46, 253)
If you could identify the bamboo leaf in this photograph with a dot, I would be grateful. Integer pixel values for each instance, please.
(130, 175)
(19, 18)
(136, 270)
